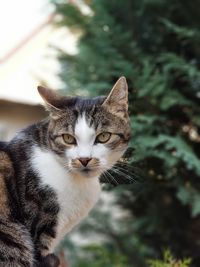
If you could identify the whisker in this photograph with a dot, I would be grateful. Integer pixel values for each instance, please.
(121, 171)
(67, 167)
(121, 168)
(125, 175)
(112, 177)
(127, 165)
(104, 175)
(109, 176)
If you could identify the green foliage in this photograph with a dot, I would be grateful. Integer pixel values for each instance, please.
(169, 261)
(97, 256)
(155, 44)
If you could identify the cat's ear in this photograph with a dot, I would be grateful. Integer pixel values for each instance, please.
(52, 100)
(117, 100)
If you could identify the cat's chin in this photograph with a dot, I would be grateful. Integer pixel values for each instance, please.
(86, 173)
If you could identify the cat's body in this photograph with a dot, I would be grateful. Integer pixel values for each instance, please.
(44, 198)
(49, 172)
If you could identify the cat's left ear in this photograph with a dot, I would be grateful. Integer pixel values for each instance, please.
(117, 100)
(52, 100)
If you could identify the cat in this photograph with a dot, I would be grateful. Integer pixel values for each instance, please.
(49, 172)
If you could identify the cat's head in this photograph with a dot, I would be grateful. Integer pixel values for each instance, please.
(88, 135)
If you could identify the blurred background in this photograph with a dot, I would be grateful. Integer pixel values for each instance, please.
(152, 206)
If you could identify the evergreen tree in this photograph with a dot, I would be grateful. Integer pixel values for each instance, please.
(156, 45)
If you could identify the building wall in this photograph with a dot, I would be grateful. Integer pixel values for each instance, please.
(15, 116)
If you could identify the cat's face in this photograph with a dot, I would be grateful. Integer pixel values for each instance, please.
(89, 135)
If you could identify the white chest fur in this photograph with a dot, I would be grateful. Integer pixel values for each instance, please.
(76, 197)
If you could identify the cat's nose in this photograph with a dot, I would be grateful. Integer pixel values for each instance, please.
(84, 161)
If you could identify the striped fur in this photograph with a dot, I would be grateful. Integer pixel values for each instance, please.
(39, 203)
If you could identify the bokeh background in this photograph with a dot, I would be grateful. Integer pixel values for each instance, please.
(151, 206)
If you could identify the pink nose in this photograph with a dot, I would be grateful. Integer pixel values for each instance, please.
(84, 161)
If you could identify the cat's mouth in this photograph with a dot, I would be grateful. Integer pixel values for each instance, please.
(87, 172)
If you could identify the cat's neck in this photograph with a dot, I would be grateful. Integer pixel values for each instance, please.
(76, 195)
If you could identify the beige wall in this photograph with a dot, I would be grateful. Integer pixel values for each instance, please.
(14, 116)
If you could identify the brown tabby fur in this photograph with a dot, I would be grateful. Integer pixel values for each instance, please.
(28, 212)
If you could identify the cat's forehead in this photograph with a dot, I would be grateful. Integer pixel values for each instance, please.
(79, 104)
(81, 113)
(77, 108)
(87, 104)
(83, 130)
(92, 116)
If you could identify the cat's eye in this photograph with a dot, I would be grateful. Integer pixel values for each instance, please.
(103, 137)
(69, 139)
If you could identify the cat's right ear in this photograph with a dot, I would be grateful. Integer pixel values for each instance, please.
(52, 100)
(117, 100)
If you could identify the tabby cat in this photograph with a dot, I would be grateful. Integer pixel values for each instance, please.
(49, 172)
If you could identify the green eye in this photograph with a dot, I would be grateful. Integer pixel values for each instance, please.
(69, 139)
(103, 137)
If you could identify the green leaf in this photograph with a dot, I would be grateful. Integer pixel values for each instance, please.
(196, 205)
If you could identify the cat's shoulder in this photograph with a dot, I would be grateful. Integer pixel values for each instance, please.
(28, 136)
